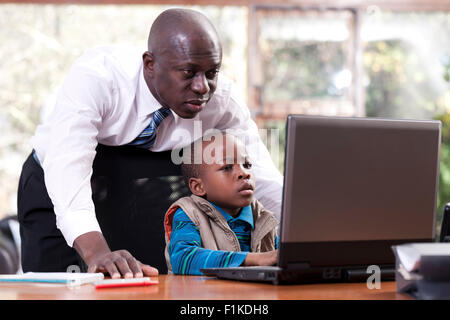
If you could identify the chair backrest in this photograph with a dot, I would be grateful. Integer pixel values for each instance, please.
(9, 252)
(132, 188)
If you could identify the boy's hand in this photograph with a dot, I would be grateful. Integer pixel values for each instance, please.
(261, 258)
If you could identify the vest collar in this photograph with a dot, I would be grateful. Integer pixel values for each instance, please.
(244, 215)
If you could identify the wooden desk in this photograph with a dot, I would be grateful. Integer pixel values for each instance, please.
(173, 287)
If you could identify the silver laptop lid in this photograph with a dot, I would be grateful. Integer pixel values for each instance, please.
(353, 179)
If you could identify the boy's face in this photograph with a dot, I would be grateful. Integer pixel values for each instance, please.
(227, 181)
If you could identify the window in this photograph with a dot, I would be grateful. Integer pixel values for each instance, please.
(303, 61)
(39, 45)
(406, 61)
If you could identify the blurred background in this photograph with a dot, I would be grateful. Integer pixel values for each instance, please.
(386, 59)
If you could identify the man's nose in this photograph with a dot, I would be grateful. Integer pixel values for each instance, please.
(200, 84)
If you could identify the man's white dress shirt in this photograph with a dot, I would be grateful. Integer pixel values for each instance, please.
(105, 99)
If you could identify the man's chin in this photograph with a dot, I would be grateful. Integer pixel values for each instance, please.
(185, 114)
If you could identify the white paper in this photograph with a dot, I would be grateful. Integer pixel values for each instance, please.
(54, 277)
(410, 254)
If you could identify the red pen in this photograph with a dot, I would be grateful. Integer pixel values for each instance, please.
(132, 282)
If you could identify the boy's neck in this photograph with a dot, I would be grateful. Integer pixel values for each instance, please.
(232, 212)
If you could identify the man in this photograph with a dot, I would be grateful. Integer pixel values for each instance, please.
(112, 98)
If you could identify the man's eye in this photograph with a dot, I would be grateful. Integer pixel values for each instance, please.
(228, 167)
(212, 74)
(187, 73)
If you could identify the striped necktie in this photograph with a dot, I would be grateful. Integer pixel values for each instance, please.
(147, 137)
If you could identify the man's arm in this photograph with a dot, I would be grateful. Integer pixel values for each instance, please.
(67, 164)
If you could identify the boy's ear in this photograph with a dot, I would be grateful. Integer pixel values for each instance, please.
(196, 186)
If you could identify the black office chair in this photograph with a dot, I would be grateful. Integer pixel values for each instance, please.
(132, 188)
(9, 252)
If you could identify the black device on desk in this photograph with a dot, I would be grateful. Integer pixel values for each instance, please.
(445, 226)
(353, 188)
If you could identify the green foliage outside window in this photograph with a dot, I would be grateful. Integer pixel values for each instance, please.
(402, 87)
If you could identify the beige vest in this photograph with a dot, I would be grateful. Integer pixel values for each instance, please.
(214, 230)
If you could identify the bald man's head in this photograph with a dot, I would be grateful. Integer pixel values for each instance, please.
(183, 60)
(174, 27)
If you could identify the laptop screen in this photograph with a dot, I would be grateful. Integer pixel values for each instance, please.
(358, 180)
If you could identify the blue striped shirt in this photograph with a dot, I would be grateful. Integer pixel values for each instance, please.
(185, 248)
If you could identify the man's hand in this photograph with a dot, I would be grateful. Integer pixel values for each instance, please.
(261, 258)
(94, 250)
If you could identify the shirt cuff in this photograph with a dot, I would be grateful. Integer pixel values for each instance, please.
(238, 259)
(75, 223)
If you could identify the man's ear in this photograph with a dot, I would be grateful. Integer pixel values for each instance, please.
(196, 186)
(149, 63)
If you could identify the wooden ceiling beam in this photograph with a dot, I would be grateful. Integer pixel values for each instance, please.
(404, 5)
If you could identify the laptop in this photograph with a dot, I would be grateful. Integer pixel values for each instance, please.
(353, 188)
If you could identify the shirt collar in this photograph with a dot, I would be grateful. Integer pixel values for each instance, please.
(245, 214)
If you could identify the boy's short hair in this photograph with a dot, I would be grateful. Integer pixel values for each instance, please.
(192, 163)
(188, 168)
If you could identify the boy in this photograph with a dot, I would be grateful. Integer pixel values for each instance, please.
(220, 224)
